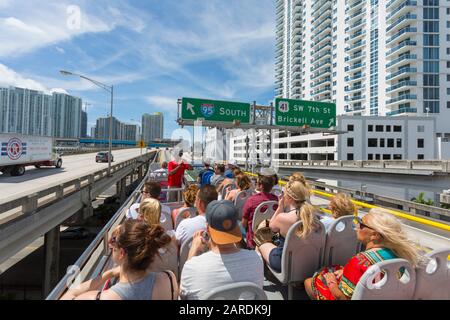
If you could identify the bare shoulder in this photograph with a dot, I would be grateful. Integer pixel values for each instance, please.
(162, 287)
(109, 295)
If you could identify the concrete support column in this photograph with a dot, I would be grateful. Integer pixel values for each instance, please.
(51, 260)
(140, 172)
(123, 188)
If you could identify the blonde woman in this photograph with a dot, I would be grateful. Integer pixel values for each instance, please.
(150, 211)
(189, 196)
(383, 237)
(292, 207)
(340, 205)
(243, 182)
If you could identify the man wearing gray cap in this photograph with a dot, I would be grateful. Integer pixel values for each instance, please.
(224, 263)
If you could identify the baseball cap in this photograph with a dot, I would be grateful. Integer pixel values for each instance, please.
(233, 162)
(267, 172)
(222, 219)
(207, 162)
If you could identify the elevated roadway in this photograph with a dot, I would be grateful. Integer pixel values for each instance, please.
(74, 166)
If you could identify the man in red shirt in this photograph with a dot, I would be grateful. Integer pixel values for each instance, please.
(176, 169)
(264, 185)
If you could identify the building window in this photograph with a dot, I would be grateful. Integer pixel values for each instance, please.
(386, 157)
(420, 143)
(379, 128)
(377, 157)
(397, 157)
(350, 142)
(420, 157)
(397, 128)
(370, 128)
(372, 143)
(382, 143)
(390, 143)
(370, 156)
(420, 128)
(350, 156)
(388, 128)
(350, 127)
(399, 143)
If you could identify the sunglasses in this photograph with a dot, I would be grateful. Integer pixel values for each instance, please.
(362, 225)
(145, 191)
(113, 241)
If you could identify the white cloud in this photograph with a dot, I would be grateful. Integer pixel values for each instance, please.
(58, 90)
(60, 50)
(163, 103)
(37, 24)
(9, 77)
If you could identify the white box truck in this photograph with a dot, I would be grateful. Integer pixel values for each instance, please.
(19, 151)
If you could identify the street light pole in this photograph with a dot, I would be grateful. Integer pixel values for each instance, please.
(110, 132)
(110, 89)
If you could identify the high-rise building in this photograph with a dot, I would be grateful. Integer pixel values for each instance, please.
(102, 129)
(369, 57)
(37, 113)
(66, 116)
(128, 132)
(84, 120)
(153, 126)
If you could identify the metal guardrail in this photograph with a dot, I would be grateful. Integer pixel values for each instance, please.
(436, 166)
(96, 258)
(31, 203)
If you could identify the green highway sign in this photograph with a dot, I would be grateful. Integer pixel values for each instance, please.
(213, 110)
(297, 113)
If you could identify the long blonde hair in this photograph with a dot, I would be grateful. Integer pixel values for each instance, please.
(298, 176)
(393, 235)
(305, 211)
(150, 210)
(341, 205)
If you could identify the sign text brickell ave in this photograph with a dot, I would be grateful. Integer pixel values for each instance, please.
(300, 113)
(214, 110)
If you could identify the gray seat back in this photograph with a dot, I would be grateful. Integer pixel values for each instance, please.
(301, 257)
(237, 291)
(226, 188)
(262, 212)
(166, 221)
(433, 280)
(184, 253)
(341, 242)
(168, 260)
(389, 286)
(184, 213)
(241, 198)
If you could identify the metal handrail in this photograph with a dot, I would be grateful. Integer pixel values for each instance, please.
(60, 288)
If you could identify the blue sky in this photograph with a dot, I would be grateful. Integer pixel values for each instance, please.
(152, 51)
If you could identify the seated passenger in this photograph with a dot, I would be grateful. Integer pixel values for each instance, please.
(340, 205)
(134, 246)
(243, 182)
(188, 227)
(206, 169)
(276, 190)
(219, 175)
(227, 182)
(384, 239)
(225, 263)
(150, 190)
(232, 166)
(292, 207)
(189, 196)
(264, 184)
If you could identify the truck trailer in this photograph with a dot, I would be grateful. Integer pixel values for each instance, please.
(19, 151)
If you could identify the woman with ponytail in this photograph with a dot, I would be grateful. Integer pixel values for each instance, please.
(383, 237)
(134, 246)
(292, 207)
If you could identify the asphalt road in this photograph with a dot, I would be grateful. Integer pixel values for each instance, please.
(73, 166)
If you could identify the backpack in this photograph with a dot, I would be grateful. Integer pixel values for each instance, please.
(206, 178)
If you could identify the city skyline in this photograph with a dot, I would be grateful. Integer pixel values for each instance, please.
(189, 50)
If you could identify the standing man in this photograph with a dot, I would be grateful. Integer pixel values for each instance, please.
(176, 169)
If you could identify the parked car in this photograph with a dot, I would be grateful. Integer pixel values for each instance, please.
(102, 156)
